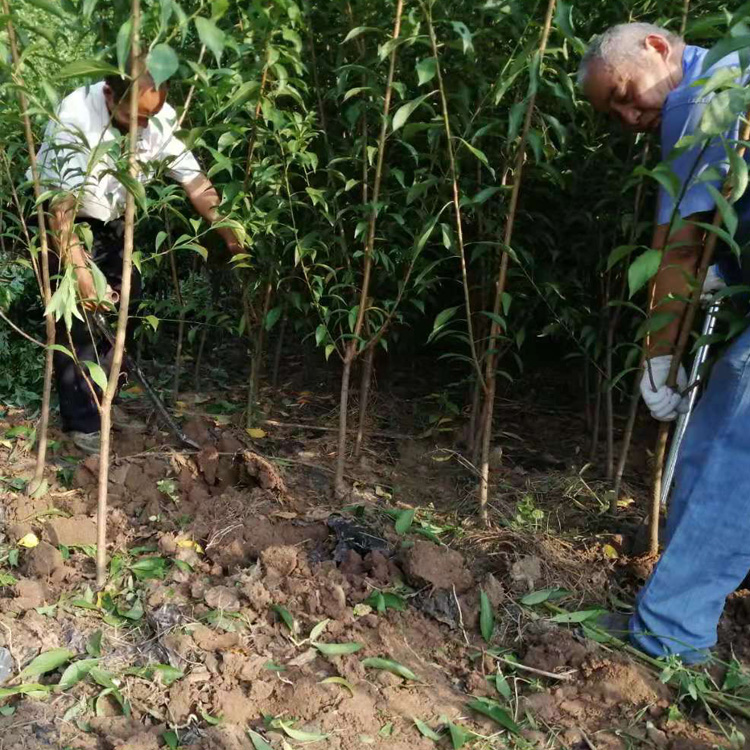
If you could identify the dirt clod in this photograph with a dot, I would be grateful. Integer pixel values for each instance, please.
(428, 564)
(71, 532)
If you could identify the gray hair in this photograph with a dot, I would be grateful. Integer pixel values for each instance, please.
(619, 44)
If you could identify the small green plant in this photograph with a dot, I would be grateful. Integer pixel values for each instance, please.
(527, 514)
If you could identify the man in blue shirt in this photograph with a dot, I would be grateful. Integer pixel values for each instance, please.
(649, 79)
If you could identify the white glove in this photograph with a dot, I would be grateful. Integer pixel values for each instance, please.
(664, 403)
(713, 283)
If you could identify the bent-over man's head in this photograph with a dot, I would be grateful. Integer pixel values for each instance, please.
(629, 70)
(117, 95)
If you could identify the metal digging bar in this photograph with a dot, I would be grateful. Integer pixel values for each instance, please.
(132, 367)
(709, 324)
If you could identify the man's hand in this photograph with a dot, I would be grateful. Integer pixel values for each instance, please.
(713, 283)
(88, 295)
(232, 243)
(663, 402)
(205, 199)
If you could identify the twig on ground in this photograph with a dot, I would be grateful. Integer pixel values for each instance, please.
(460, 616)
(565, 676)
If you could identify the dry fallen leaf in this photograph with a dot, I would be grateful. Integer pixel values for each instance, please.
(29, 541)
(255, 432)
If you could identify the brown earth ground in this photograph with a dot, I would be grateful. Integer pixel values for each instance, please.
(223, 562)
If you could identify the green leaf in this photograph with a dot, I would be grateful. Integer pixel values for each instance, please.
(162, 62)
(300, 736)
(479, 154)
(463, 31)
(404, 112)
(738, 173)
(502, 685)
(426, 731)
(655, 322)
(149, 568)
(258, 742)
(272, 317)
(85, 68)
(49, 661)
(97, 373)
(723, 48)
(62, 349)
(94, 644)
(580, 616)
(123, 44)
(443, 317)
(390, 666)
(404, 521)
(623, 251)
(537, 597)
(338, 649)
(495, 712)
(167, 673)
(728, 214)
(486, 617)
(359, 30)
(459, 735)
(33, 688)
(643, 269)
(49, 7)
(88, 8)
(100, 281)
(76, 672)
(426, 70)
(338, 681)
(286, 616)
(722, 111)
(212, 36)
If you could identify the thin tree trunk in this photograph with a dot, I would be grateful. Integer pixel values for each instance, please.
(364, 394)
(122, 318)
(456, 193)
(199, 358)
(279, 351)
(609, 407)
(180, 328)
(255, 367)
(684, 19)
(36, 483)
(254, 135)
(685, 329)
(351, 349)
(597, 418)
(627, 436)
(502, 278)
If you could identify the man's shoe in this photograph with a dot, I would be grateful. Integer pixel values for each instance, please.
(88, 442)
(126, 422)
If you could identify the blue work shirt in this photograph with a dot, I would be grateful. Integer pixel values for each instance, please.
(681, 116)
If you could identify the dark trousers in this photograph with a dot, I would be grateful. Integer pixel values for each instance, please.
(77, 406)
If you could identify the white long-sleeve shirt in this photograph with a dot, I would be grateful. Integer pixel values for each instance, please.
(80, 148)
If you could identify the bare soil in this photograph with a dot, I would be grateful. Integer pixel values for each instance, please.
(248, 537)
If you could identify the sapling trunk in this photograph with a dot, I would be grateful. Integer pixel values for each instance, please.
(41, 454)
(279, 351)
(351, 348)
(456, 193)
(686, 328)
(255, 366)
(609, 407)
(199, 358)
(122, 317)
(633, 408)
(489, 377)
(181, 325)
(596, 427)
(364, 395)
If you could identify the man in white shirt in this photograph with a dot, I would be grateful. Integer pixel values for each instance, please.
(77, 161)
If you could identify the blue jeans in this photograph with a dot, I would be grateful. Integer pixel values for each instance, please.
(707, 553)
